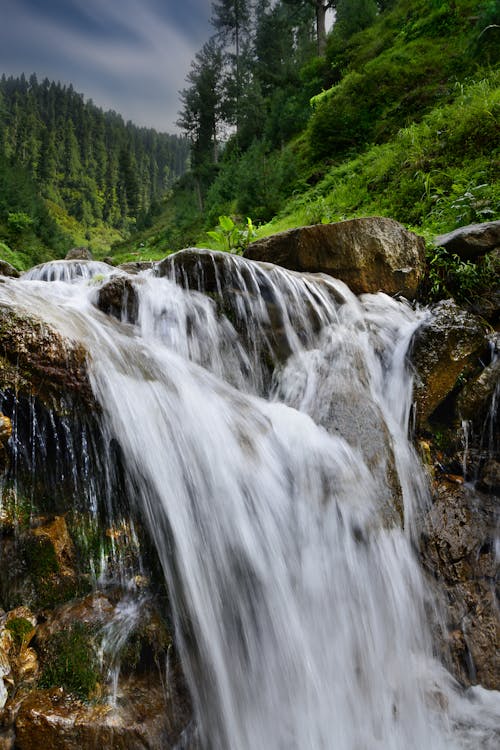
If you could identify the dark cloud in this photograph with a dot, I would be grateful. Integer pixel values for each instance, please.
(128, 55)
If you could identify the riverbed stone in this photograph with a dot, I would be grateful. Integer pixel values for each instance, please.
(118, 297)
(79, 253)
(6, 269)
(472, 241)
(458, 549)
(369, 254)
(36, 360)
(445, 347)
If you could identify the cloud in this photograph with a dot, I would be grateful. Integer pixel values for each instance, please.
(128, 55)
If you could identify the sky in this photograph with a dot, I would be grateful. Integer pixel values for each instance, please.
(128, 55)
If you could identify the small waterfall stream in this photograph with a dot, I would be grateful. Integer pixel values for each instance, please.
(249, 444)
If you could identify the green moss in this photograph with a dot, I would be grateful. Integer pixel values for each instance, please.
(70, 661)
(20, 629)
(40, 557)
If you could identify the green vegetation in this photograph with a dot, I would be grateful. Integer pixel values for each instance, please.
(229, 237)
(72, 174)
(70, 661)
(398, 116)
(21, 631)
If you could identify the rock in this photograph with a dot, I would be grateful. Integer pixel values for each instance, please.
(458, 549)
(472, 241)
(109, 260)
(143, 719)
(443, 348)
(6, 269)
(5, 428)
(489, 480)
(476, 398)
(79, 253)
(118, 297)
(35, 360)
(56, 532)
(137, 266)
(369, 254)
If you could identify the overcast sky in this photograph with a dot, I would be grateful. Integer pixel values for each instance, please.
(128, 55)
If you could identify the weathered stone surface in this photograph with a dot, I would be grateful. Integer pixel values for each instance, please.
(369, 254)
(6, 269)
(5, 428)
(489, 480)
(472, 241)
(458, 549)
(195, 268)
(136, 266)
(443, 349)
(118, 297)
(36, 360)
(142, 720)
(475, 399)
(79, 253)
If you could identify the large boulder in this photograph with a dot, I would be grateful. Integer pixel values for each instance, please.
(369, 254)
(444, 348)
(472, 241)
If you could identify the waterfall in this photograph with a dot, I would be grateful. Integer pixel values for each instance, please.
(283, 522)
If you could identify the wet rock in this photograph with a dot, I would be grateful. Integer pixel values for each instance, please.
(195, 268)
(5, 428)
(56, 532)
(79, 253)
(369, 254)
(489, 480)
(37, 361)
(472, 241)
(443, 348)
(7, 270)
(475, 399)
(143, 719)
(118, 297)
(458, 550)
(137, 266)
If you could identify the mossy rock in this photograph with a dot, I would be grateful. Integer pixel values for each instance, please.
(69, 660)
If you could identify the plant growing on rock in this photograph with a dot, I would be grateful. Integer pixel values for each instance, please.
(230, 238)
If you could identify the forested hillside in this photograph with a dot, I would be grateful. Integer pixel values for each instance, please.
(397, 115)
(92, 170)
(294, 112)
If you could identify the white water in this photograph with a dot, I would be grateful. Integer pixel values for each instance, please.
(301, 617)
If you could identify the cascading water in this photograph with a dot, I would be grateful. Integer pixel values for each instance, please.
(299, 604)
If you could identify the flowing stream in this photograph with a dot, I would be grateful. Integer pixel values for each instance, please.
(266, 449)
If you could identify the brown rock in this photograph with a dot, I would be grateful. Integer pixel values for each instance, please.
(57, 533)
(79, 253)
(443, 348)
(369, 254)
(472, 241)
(36, 360)
(142, 720)
(6, 269)
(134, 267)
(475, 399)
(5, 428)
(458, 550)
